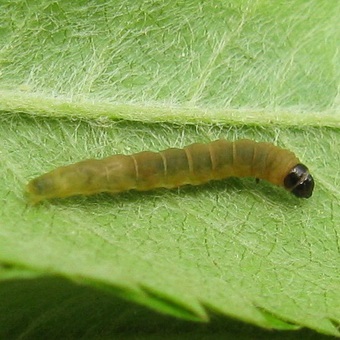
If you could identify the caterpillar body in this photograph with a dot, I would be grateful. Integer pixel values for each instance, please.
(194, 164)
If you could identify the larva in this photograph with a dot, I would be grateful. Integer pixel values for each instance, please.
(195, 164)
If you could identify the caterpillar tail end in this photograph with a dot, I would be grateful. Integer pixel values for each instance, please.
(31, 195)
(40, 189)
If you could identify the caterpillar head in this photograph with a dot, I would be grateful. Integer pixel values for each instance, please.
(299, 181)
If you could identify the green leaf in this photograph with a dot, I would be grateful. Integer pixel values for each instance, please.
(91, 79)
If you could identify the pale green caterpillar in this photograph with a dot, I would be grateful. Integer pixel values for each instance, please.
(195, 164)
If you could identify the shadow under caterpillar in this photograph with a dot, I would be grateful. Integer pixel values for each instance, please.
(194, 164)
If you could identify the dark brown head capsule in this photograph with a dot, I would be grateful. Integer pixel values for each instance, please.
(299, 181)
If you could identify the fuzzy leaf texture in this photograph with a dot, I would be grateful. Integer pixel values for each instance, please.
(90, 79)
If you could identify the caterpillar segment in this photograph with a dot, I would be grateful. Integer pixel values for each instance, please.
(194, 164)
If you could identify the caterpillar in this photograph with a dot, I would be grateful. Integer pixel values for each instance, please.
(194, 164)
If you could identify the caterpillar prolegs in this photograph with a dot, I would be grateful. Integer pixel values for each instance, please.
(194, 164)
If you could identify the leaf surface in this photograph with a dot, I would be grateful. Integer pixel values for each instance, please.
(237, 69)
